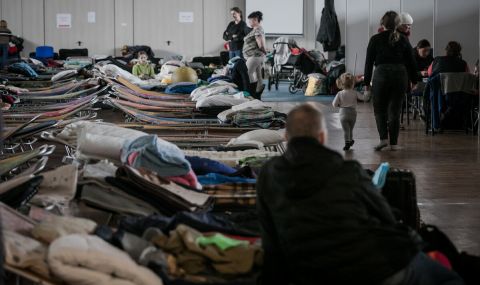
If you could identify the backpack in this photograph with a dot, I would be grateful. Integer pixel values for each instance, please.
(466, 265)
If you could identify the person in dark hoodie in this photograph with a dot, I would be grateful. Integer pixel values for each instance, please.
(323, 222)
(391, 54)
(235, 32)
(451, 62)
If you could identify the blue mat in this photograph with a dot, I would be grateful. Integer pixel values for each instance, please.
(282, 95)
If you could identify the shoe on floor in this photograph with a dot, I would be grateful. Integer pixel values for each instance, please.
(395, 147)
(383, 144)
(347, 146)
(351, 143)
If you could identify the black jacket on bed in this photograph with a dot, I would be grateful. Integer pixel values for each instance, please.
(239, 75)
(324, 223)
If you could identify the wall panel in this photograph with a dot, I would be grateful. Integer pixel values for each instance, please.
(457, 21)
(12, 13)
(98, 37)
(123, 24)
(216, 16)
(422, 13)
(358, 34)
(157, 24)
(32, 23)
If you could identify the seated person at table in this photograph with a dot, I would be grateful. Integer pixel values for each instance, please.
(323, 222)
(423, 57)
(451, 62)
(143, 69)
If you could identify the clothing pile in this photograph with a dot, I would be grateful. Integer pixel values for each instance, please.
(219, 93)
(164, 195)
(231, 188)
(232, 158)
(254, 113)
(64, 249)
(114, 71)
(191, 248)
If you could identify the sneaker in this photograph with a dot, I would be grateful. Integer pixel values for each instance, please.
(347, 146)
(395, 147)
(352, 142)
(381, 145)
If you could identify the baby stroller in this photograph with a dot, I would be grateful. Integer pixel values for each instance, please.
(292, 64)
(282, 61)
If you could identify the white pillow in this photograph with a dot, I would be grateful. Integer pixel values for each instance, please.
(251, 143)
(222, 100)
(267, 137)
(63, 75)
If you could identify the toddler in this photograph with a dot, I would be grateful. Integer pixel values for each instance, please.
(347, 101)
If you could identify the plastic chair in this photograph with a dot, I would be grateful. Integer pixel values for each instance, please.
(44, 52)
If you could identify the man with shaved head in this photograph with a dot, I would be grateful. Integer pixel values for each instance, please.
(323, 222)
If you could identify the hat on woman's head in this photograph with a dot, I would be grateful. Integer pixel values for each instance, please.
(406, 19)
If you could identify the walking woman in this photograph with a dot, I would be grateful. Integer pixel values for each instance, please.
(254, 53)
(391, 54)
(235, 32)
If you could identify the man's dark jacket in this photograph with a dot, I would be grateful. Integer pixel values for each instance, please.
(329, 32)
(324, 223)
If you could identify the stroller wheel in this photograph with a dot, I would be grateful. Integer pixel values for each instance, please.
(292, 89)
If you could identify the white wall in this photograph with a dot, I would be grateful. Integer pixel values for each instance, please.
(457, 21)
(439, 21)
(153, 22)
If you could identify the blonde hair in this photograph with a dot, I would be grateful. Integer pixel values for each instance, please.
(3, 24)
(346, 81)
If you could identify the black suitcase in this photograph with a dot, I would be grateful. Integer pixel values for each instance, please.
(66, 53)
(207, 60)
(400, 192)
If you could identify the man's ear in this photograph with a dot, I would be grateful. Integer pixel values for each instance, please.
(322, 137)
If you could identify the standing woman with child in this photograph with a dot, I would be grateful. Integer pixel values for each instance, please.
(254, 53)
(391, 54)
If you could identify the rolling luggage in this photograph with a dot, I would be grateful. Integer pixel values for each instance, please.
(400, 192)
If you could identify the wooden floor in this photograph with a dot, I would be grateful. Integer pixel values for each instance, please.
(447, 168)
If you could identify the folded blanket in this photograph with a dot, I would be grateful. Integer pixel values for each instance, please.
(223, 100)
(231, 158)
(115, 201)
(215, 179)
(115, 71)
(88, 260)
(157, 155)
(203, 166)
(166, 196)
